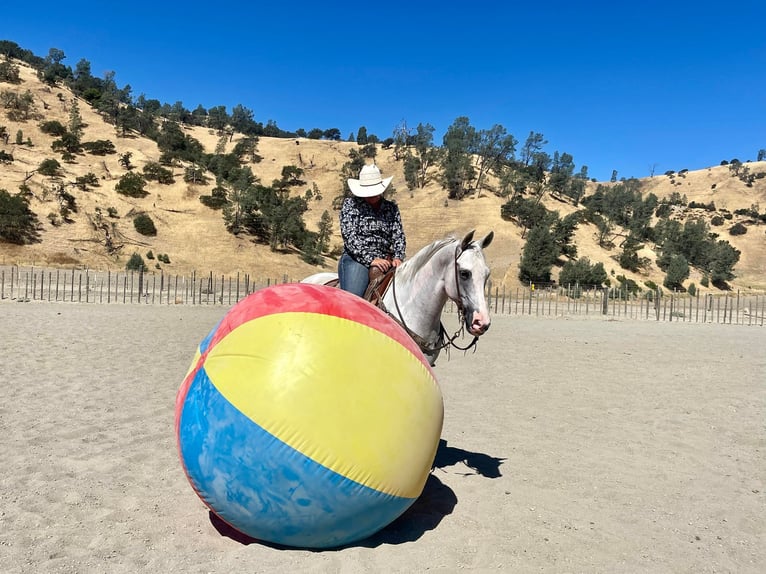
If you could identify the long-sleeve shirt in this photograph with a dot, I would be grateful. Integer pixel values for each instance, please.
(369, 233)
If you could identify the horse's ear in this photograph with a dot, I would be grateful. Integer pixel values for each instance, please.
(487, 240)
(467, 240)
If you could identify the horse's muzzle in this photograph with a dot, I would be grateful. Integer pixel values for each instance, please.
(479, 325)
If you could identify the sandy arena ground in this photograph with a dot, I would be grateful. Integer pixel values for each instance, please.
(568, 446)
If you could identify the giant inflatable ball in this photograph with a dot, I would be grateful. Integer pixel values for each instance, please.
(308, 418)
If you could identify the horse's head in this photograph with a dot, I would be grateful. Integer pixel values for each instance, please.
(471, 274)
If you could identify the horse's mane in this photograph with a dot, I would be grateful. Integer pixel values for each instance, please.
(411, 266)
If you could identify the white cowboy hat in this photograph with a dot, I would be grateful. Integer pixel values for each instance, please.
(369, 183)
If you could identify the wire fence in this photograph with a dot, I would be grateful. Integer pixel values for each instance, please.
(159, 288)
(572, 300)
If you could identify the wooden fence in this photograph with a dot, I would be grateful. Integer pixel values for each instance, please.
(159, 288)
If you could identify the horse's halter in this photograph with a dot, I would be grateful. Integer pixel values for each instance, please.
(445, 341)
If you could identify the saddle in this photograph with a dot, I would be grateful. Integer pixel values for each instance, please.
(378, 282)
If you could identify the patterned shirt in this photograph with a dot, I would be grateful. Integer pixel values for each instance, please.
(369, 233)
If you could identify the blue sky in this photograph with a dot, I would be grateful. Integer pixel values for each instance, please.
(620, 86)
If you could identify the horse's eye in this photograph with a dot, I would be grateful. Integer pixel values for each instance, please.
(465, 275)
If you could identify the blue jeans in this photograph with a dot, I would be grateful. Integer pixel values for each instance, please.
(353, 276)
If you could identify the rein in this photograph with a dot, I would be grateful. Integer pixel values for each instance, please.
(444, 341)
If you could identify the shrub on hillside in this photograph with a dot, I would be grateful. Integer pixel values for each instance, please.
(132, 185)
(153, 171)
(53, 128)
(216, 200)
(99, 147)
(83, 181)
(135, 263)
(737, 229)
(49, 167)
(144, 225)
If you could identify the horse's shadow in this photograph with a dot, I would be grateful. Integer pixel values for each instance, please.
(483, 464)
(435, 502)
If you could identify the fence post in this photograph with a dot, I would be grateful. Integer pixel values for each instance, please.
(503, 306)
(531, 285)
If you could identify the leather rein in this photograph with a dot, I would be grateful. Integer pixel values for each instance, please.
(444, 340)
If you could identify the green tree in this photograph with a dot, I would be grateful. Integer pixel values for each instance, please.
(539, 254)
(457, 168)
(18, 223)
(677, 272)
(427, 153)
(131, 184)
(411, 170)
(69, 142)
(350, 170)
(99, 147)
(581, 272)
(242, 121)
(153, 171)
(135, 263)
(563, 233)
(333, 134)
(361, 136)
(629, 256)
(76, 124)
(532, 147)
(9, 72)
(401, 140)
(324, 232)
(291, 175)
(125, 160)
(491, 148)
(18, 107)
(53, 70)
(217, 118)
(723, 258)
(527, 212)
(562, 171)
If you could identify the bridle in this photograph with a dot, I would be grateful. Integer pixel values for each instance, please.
(444, 341)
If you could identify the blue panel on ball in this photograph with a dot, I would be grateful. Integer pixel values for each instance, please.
(267, 489)
(206, 341)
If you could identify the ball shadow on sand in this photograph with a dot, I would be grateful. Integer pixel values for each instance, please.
(435, 502)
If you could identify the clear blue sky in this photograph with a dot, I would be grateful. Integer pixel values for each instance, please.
(618, 85)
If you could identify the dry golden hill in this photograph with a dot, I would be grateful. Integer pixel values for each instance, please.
(194, 236)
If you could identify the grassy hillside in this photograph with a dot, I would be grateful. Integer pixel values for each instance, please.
(194, 236)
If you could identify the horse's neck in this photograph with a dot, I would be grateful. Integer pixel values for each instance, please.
(417, 299)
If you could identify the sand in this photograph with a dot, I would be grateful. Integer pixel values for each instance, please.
(577, 445)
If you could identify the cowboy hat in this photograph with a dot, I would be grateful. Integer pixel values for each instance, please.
(369, 183)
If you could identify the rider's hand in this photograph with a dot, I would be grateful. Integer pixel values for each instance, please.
(382, 264)
(396, 262)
